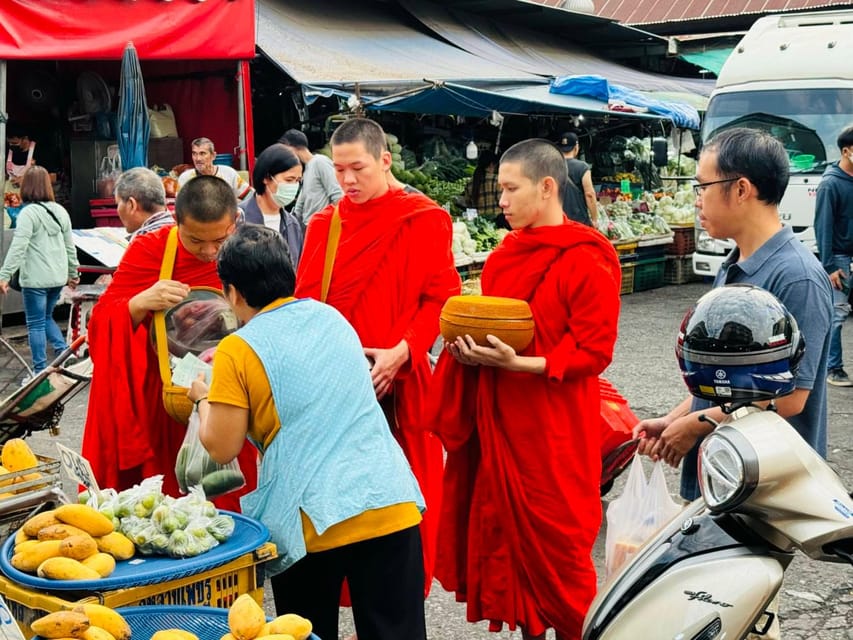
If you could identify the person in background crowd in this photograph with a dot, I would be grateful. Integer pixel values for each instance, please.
(20, 155)
(483, 192)
(833, 224)
(141, 202)
(277, 176)
(203, 154)
(320, 188)
(517, 530)
(43, 251)
(393, 271)
(128, 435)
(336, 492)
(579, 201)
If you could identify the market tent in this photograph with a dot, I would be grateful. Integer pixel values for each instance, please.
(539, 53)
(599, 88)
(508, 99)
(710, 59)
(99, 29)
(332, 45)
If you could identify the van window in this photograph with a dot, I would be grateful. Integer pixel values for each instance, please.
(806, 121)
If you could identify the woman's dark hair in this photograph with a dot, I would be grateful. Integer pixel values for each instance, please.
(487, 158)
(273, 160)
(754, 155)
(255, 261)
(35, 185)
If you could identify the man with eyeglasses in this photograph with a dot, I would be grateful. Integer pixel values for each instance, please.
(742, 175)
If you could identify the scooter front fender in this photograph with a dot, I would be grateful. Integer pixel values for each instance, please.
(701, 577)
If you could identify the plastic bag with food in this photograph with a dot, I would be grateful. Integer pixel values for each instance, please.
(199, 322)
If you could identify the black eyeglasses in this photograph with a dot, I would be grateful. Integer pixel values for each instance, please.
(699, 188)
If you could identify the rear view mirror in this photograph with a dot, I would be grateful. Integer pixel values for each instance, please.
(659, 152)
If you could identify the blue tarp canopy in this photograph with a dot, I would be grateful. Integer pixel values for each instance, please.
(599, 88)
(449, 98)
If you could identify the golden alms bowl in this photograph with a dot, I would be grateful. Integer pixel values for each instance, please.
(508, 319)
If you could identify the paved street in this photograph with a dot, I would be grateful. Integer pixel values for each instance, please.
(817, 600)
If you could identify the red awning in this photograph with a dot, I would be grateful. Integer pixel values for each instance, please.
(100, 29)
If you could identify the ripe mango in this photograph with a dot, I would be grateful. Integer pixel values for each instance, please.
(38, 522)
(291, 624)
(107, 619)
(17, 455)
(61, 624)
(30, 559)
(245, 618)
(174, 634)
(96, 633)
(86, 518)
(60, 532)
(117, 545)
(78, 547)
(103, 563)
(61, 568)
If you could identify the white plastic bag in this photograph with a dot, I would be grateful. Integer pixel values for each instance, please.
(161, 119)
(636, 515)
(194, 466)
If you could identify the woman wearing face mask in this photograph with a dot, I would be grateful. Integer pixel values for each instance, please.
(276, 178)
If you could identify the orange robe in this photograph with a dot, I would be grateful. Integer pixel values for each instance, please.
(522, 507)
(128, 434)
(393, 272)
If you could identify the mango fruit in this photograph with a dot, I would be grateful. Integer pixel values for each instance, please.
(62, 568)
(60, 532)
(86, 518)
(117, 545)
(30, 559)
(78, 547)
(245, 618)
(107, 619)
(291, 624)
(61, 624)
(16, 455)
(103, 563)
(38, 522)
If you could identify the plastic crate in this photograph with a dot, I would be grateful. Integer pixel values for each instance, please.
(27, 497)
(217, 587)
(648, 274)
(623, 248)
(627, 278)
(679, 270)
(683, 242)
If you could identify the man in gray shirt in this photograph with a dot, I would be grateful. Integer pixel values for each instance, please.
(320, 187)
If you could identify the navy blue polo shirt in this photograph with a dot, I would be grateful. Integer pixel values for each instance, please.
(787, 269)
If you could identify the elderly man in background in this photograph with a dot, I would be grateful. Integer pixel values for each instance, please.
(320, 186)
(203, 154)
(141, 202)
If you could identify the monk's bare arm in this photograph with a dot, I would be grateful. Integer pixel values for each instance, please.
(162, 295)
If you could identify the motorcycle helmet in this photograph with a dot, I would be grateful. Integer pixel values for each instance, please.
(739, 344)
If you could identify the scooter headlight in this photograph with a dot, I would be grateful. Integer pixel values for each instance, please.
(728, 469)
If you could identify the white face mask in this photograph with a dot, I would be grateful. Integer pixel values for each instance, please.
(285, 193)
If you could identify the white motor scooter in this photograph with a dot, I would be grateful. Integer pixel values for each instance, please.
(712, 571)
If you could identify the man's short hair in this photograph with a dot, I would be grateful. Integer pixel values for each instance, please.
(255, 261)
(273, 160)
(205, 199)
(754, 155)
(539, 159)
(204, 142)
(362, 130)
(144, 186)
(845, 138)
(294, 138)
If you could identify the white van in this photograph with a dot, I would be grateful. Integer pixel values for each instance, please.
(790, 75)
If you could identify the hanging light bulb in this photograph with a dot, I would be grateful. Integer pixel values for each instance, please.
(471, 151)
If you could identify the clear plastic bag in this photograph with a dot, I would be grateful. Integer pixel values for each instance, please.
(636, 515)
(199, 322)
(194, 466)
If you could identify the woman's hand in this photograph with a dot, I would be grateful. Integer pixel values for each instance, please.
(198, 389)
(4, 287)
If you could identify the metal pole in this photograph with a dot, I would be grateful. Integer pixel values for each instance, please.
(2, 171)
(241, 118)
(248, 116)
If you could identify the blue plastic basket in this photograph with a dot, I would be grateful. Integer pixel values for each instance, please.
(224, 158)
(205, 622)
(248, 535)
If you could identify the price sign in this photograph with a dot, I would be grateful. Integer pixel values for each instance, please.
(78, 468)
(9, 629)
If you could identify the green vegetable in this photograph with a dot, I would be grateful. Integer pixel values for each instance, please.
(220, 482)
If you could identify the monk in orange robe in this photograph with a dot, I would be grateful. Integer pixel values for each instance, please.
(393, 270)
(521, 496)
(128, 434)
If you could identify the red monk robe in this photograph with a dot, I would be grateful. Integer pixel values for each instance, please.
(521, 504)
(393, 272)
(128, 434)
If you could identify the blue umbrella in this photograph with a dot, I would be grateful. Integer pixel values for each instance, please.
(133, 126)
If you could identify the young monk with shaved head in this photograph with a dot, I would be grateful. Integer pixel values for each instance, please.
(521, 493)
